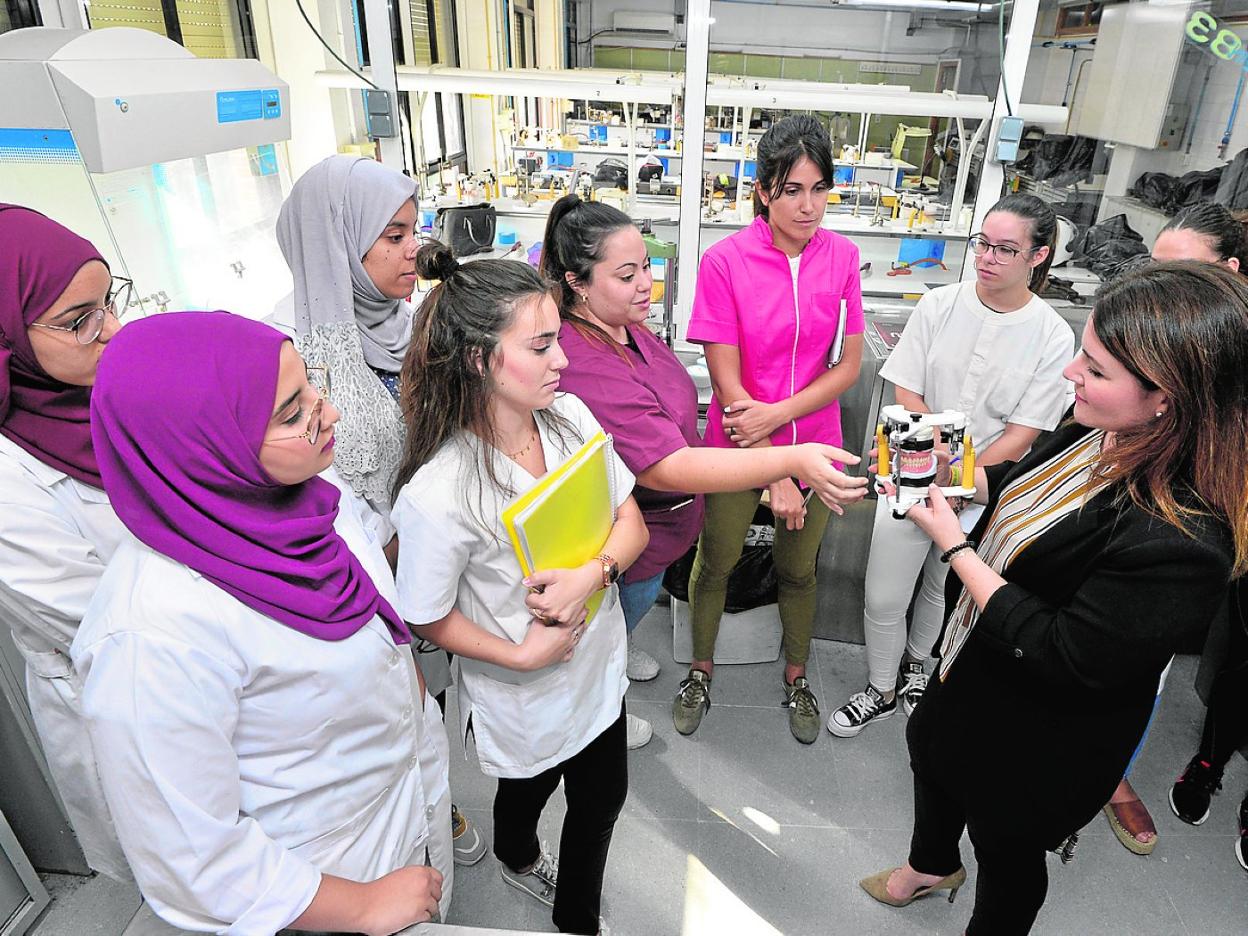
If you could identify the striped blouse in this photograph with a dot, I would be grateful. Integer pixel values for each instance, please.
(1031, 505)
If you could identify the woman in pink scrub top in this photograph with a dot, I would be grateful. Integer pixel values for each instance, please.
(640, 393)
(779, 310)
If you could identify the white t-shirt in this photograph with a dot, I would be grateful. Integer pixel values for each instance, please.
(523, 723)
(241, 758)
(996, 368)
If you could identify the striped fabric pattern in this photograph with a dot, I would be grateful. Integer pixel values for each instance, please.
(1031, 505)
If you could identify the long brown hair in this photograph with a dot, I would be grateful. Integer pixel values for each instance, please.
(445, 383)
(1183, 328)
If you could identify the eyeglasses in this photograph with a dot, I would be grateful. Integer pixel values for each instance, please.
(318, 377)
(88, 326)
(1002, 253)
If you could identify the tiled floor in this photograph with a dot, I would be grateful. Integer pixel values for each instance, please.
(741, 830)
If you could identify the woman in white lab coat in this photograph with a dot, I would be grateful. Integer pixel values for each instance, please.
(58, 310)
(542, 684)
(265, 739)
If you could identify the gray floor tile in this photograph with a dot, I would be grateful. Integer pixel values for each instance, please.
(786, 781)
(1107, 889)
(87, 906)
(1205, 883)
(662, 776)
(644, 892)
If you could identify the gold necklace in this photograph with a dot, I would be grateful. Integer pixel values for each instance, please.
(524, 451)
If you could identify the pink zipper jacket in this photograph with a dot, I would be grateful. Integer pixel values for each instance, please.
(745, 297)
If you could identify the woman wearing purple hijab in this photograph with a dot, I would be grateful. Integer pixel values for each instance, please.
(58, 311)
(265, 739)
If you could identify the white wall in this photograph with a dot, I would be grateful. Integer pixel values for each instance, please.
(792, 29)
(1049, 69)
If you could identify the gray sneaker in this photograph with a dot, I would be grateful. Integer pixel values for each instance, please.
(539, 881)
(692, 701)
(803, 710)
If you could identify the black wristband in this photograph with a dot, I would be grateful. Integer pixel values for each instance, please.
(954, 550)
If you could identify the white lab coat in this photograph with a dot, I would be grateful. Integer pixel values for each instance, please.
(242, 758)
(523, 723)
(56, 535)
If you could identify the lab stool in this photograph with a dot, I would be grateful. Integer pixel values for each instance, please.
(752, 636)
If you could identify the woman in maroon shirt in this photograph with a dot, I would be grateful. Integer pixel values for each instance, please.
(640, 393)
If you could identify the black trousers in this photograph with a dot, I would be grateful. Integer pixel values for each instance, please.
(1226, 720)
(1011, 880)
(595, 784)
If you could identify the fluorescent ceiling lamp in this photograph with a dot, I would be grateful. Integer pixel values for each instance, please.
(960, 6)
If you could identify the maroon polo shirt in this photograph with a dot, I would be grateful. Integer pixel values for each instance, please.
(649, 404)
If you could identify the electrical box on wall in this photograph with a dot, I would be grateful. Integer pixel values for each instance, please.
(380, 114)
(1009, 135)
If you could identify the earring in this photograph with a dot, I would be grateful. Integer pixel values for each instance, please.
(1158, 414)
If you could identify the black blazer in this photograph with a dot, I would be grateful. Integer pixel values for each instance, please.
(1040, 712)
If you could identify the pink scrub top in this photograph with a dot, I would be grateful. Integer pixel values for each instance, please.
(649, 404)
(745, 297)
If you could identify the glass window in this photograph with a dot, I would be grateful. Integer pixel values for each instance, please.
(209, 28)
(1154, 93)
(889, 92)
(17, 14)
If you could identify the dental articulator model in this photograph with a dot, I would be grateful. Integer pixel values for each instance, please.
(907, 456)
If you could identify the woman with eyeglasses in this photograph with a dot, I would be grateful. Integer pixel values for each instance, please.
(994, 350)
(265, 739)
(59, 307)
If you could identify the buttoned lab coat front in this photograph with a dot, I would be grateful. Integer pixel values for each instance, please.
(243, 758)
(56, 536)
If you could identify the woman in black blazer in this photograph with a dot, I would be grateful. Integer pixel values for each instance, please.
(1100, 554)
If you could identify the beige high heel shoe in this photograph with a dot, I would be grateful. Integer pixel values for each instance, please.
(877, 886)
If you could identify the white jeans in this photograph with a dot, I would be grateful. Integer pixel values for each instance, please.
(900, 552)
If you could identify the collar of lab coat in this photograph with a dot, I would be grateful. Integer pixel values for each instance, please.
(46, 475)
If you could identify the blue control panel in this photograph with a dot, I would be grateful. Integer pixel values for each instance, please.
(236, 106)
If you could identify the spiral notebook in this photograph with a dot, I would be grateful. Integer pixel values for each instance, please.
(564, 520)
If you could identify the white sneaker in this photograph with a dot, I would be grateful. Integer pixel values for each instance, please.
(639, 732)
(642, 667)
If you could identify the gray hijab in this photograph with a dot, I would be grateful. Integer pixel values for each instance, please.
(334, 213)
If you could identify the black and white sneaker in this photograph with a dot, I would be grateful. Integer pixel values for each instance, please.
(861, 709)
(1192, 792)
(911, 684)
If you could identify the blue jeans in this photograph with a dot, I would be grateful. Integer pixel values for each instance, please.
(636, 598)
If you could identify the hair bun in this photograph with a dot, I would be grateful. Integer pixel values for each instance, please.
(435, 261)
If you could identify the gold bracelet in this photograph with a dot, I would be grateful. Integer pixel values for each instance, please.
(610, 570)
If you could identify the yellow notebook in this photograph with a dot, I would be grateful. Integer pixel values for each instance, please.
(564, 520)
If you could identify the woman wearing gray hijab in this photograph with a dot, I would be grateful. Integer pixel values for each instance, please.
(348, 232)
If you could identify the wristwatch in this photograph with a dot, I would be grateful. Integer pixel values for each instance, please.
(610, 570)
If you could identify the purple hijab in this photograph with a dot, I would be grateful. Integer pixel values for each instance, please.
(47, 418)
(180, 408)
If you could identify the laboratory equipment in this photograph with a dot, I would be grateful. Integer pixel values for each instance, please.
(908, 464)
(167, 162)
